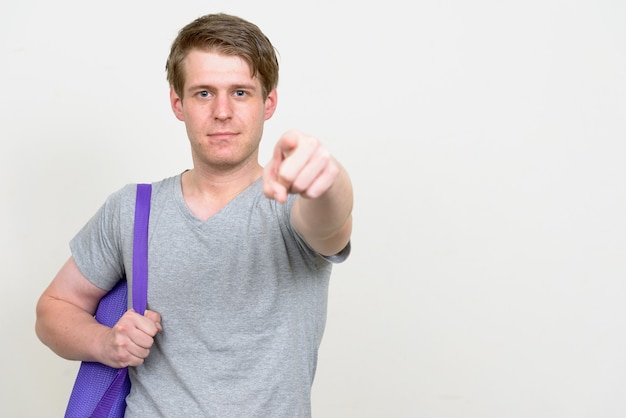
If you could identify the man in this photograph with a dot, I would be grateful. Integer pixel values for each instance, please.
(240, 255)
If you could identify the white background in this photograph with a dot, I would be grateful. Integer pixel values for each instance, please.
(485, 140)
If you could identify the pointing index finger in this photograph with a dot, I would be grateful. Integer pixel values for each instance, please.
(287, 143)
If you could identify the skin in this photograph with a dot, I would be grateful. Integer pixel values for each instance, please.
(224, 112)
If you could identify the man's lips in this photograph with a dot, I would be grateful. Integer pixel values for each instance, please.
(222, 136)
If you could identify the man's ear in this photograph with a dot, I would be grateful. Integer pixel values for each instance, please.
(177, 104)
(270, 103)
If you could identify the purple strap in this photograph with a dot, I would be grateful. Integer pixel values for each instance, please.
(140, 248)
(139, 293)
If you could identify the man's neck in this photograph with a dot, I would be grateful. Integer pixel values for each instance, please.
(207, 192)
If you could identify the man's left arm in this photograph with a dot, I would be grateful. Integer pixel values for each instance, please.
(322, 213)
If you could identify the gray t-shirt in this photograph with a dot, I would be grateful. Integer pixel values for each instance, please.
(242, 298)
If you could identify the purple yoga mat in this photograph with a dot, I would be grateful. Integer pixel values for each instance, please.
(100, 391)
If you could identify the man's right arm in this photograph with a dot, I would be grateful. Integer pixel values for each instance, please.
(66, 323)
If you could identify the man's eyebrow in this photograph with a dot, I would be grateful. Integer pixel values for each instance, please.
(199, 87)
(245, 86)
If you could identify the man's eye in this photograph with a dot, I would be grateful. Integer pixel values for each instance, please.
(240, 93)
(203, 93)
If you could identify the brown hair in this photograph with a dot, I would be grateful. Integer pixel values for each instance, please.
(229, 35)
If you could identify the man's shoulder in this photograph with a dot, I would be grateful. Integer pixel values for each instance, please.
(128, 191)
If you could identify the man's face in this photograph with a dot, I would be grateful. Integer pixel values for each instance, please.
(223, 110)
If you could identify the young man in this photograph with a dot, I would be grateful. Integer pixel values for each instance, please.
(239, 255)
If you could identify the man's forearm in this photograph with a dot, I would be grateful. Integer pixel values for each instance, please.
(326, 222)
(68, 330)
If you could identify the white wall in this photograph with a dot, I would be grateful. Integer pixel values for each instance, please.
(485, 140)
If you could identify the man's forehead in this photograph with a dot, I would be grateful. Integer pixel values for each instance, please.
(200, 63)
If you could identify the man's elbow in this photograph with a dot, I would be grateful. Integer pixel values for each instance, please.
(336, 242)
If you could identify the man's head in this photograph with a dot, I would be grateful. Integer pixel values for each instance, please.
(227, 35)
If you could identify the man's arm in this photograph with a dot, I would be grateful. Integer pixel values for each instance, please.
(322, 213)
(66, 324)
